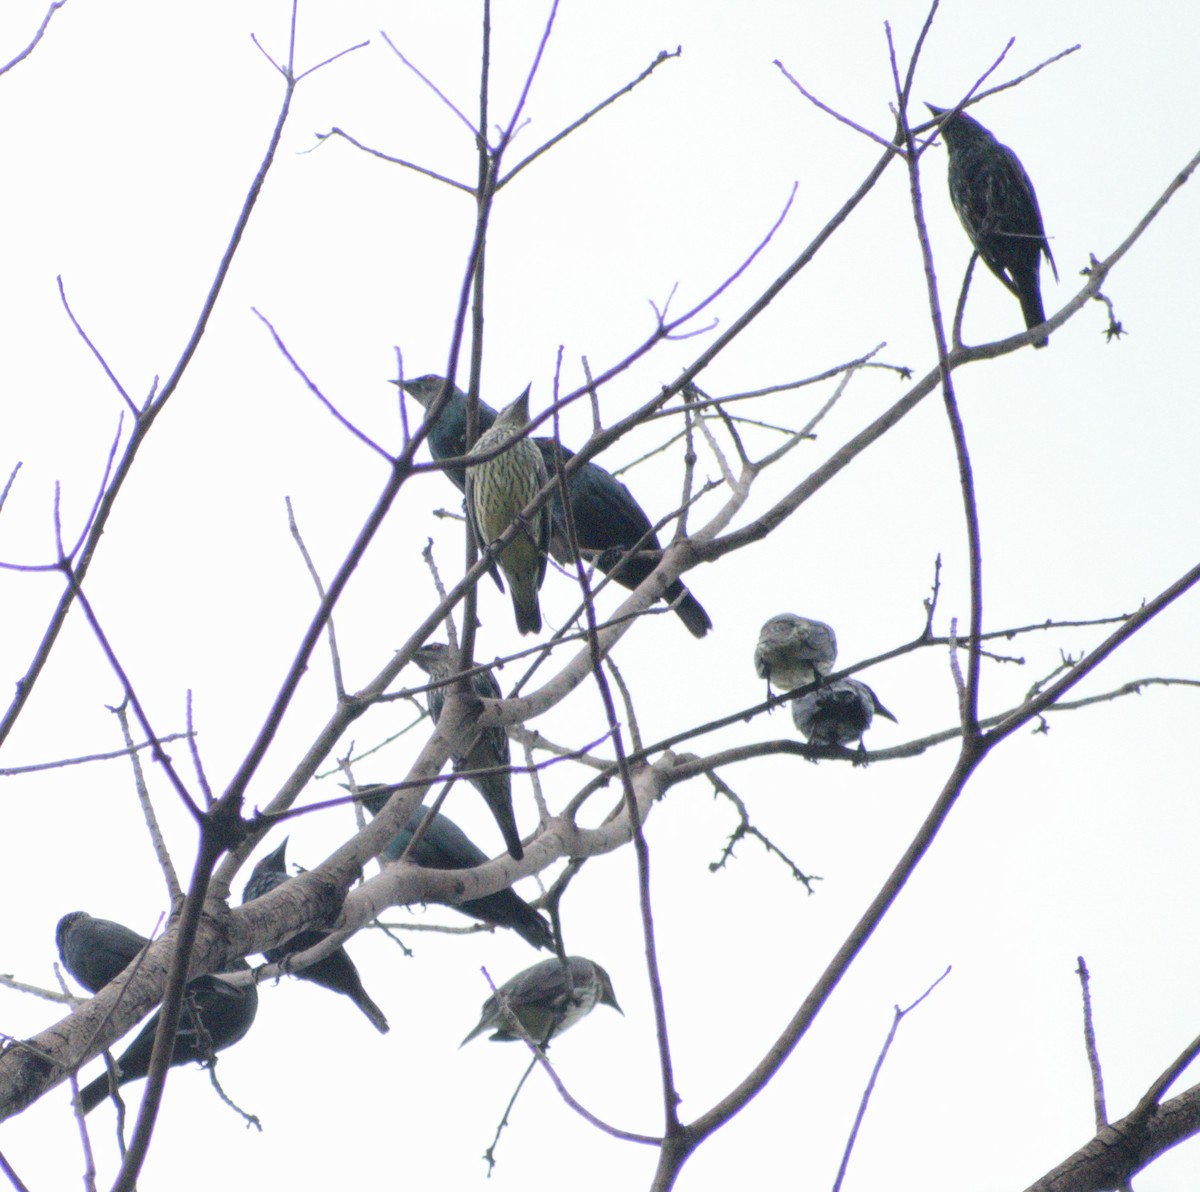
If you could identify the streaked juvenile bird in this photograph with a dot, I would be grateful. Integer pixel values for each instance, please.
(336, 971)
(547, 999)
(94, 951)
(497, 490)
(838, 713)
(998, 208)
(794, 651)
(444, 845)
(608, 519)
(490, 751)
(215, 1015)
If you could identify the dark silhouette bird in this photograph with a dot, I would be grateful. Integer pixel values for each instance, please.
(94, 951)
(794, 651)
(444, 845)
(497, 490)
(838, 713)
(336, 971)
(490, 751)
(998, 208)
(609, 522)
(215, 1015)
(547, 999)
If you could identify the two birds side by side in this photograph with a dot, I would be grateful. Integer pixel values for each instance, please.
(611, 528)
(215, 1014)
(794, 652)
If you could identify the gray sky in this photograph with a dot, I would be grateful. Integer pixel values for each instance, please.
(131, 136)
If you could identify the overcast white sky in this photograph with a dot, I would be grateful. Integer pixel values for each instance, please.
(131, 136)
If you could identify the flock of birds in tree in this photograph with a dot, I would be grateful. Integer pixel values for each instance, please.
(998, 208)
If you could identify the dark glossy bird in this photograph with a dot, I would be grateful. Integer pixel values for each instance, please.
(612, 530)
(998, 208)
(215, 1015)
(336, 971)
(444, 845)
(547, 999)
(838, 713)
(490, 751)
(448, 435)
(497, 490)
(94, 951)
(794, 651)
(608, 519)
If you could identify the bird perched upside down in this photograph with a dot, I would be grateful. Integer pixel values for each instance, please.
(547, 999)
(838, 713)
(609, 522)
(998, 208)
(794, 651)
(335, 971)
(497, 490)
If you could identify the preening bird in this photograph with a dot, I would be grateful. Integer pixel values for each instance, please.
(794, 651)
(838, 712)
(490, 751)
(444, 845)
(215, 1014)
(336, 971)
(497, 490)
(998, 208)
(547, 999)
(608, 519)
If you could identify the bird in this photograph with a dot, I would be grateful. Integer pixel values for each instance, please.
(547, 999)
(794, 651)
(444, 845)
(998, 208)
(497, 490)
(335, 971)
(94, 951)
(609, 522)
(490, 751)
(215, 1015)
(838, 713)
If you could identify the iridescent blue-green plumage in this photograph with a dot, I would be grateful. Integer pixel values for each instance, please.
(336, 971)
(608, 519)
(215, 1014)
(547, 999)
(998, 208)
(490, 751)
(444, 845)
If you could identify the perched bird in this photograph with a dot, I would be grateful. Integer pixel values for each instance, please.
(448, 435)
(794, 651)
(490, 751)
(838, 713)
(94, 951)
(497, 490)
(995, 201)
(609, 524)
(336, 971)
(444, 845)
(547, 999)
(608, 520)
(215, 1015)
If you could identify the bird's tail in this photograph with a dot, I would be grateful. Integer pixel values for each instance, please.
(500, 804)
(689, 610)
(374, 1014)
(1030, 295)
(526, 608)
